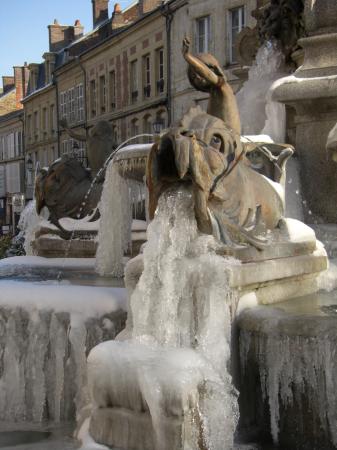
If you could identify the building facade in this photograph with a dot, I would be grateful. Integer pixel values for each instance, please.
(12, 167)
(126, 78)
(128, 70)
(212, 27)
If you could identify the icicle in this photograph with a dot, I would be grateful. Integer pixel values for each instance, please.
(114, 235)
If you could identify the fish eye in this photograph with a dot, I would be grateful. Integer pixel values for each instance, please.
(217, 143)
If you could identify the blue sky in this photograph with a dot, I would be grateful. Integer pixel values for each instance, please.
(23, 27)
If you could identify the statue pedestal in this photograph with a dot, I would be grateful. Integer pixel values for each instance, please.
(312, 92)
(124, 424)
(53, 247)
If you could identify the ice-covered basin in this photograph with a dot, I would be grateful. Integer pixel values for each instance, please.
(131, 161)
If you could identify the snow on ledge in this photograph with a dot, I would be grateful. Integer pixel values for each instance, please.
(40, 261)
(82, 301)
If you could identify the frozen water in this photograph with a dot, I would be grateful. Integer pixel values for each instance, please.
(29, 223)
(114, 235)
(258, 113)
(296, 360)
(44, 333)
(179, 354)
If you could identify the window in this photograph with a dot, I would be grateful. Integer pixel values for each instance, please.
(160, 70)
(36, 125)
(11, 145)
(236, 24)
(203, 34)
(112, 89)
(93, 97)
(134, 81)
(147, 128)
(147, 75)
(44, 120)
(29, 127)
(63, 111)
(20, 146)
(52, 119)
(102, 93)
(80, 102)
(71, 106)
(134, 128)
(75, 149)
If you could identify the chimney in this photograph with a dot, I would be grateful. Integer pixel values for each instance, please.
(7, 83)
(100, 11)
(21, 77)
(117, 20)
(60, 36)
(146, 6)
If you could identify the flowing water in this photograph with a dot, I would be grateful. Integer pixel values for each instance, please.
(258, 113)
(94, 181)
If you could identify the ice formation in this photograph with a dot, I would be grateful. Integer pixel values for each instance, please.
(45, 333)
(259, 114)
(29, 223)
(121, 200)
(115, 226)
(179, 352)
(293, 365)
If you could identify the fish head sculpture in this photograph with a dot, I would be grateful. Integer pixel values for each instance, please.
(231, 200)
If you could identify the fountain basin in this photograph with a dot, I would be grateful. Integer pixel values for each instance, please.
(47, 329)
(288, 369)
(131, 161)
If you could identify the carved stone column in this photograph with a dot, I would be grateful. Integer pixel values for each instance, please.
(312, 92)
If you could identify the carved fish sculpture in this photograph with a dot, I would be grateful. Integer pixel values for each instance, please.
(62, 188)
(232, 201)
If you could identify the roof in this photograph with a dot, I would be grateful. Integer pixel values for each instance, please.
(8, 102)
(88, 41)
(11, 115)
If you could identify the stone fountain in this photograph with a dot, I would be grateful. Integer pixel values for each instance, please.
(218, 243)
(71, 193)
(311, 92)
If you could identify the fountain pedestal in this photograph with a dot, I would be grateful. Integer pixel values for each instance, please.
(312, 92)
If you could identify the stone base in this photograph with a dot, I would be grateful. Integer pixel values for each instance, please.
(77, 248)
(126, 430)
(279, 279)
(59, 248)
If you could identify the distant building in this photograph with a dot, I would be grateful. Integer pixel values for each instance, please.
(116, 72)
(213, 26)
(128, 70)
(12, 171)
(41, 102)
